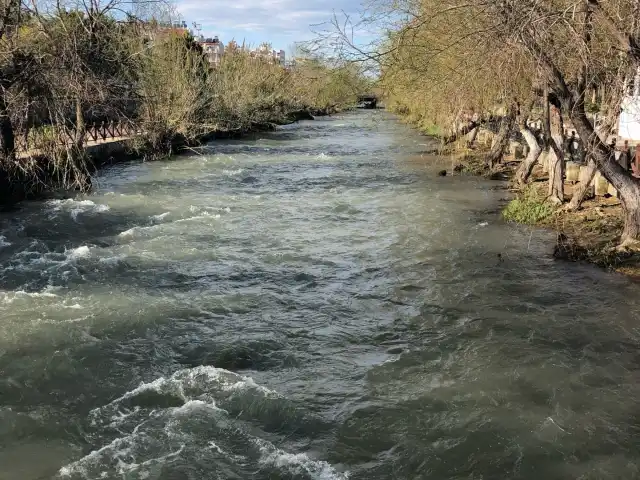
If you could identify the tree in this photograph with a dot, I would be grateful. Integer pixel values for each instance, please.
(561, 42)
(470, 56)
(11, 63)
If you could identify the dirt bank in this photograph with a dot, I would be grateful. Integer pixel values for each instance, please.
(590, 234)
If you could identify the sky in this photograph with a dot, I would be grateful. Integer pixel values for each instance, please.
(279, 22)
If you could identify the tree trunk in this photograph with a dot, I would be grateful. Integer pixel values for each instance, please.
(556, 176)
(584, 183)
(556, 158)
(502, 139)
(80, 125)
(627, 186)
(7, 135)
(472, 139)
(461, 132)
(535, 149)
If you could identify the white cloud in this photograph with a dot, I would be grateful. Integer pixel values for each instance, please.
(281, 22)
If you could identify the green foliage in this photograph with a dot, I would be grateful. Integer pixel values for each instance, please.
(326, 88)
(529, 208)
(65, 70)
(444, 67)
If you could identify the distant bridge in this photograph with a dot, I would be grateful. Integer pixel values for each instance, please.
(369, 100)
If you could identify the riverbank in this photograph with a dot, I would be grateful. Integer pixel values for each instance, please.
(22, 184)
(590, 234)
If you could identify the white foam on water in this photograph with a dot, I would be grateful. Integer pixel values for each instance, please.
(120, 452)
(194, 405)
(128, 233)
(161, 217)
(75, 213)
(204, 380)
(80, 252)
(233, 173)
(112, 261)
(323, 156)
(4, 242)
(204, 216)
(122, 446)
(75, 306)
(297, 463)
(483, 224)
(149, 439)
(102, 208)
(10, 297)
(77, 207)
(237, 458)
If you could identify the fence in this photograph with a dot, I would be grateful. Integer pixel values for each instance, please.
(40, 137)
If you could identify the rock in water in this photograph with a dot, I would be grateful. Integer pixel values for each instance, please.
(442, 173)
(563, 248)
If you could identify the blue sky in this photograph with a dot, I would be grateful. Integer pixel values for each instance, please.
(280, 22)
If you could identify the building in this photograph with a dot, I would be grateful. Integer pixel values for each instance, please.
(177, 28)
(213, 48)
(629, 121)
(266, 52)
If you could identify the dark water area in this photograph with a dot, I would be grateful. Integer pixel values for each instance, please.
(314, 303)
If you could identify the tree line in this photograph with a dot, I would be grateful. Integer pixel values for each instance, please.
(66, 67)
(453, 65)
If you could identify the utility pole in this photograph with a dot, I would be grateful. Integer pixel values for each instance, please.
(198, 28)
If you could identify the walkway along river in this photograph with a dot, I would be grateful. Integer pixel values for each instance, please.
(313, 304)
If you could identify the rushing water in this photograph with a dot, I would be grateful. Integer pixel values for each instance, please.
(313, 304)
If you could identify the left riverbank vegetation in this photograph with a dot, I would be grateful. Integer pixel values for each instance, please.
(72, 75)
(518, 76)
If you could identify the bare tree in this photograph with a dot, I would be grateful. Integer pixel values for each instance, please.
(460, 49)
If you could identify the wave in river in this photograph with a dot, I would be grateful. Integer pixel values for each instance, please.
(200, 416)
(77, 207)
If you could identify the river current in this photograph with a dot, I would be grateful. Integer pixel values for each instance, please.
(313, 303)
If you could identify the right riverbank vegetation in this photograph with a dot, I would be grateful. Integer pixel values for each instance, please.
(70, 78)
(543, 80)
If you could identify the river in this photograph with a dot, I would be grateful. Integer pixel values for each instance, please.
(314, 303)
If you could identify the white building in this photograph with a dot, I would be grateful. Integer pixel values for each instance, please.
(265, 51)
(214, 49)
(629, 122)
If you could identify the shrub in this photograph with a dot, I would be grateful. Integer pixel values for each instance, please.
(529, 208)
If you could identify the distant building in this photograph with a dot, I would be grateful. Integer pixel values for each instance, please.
(629, 121)
(266, 52)
(213, 48)
(233, 47)
(178, 28)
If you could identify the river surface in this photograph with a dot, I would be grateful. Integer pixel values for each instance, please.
(314, 303)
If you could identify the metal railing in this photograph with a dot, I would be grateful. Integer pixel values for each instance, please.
(39, 138)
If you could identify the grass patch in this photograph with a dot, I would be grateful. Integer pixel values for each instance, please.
(431, 129)
(530, 208)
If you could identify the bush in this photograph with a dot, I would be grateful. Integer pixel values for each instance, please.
(529, 208)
